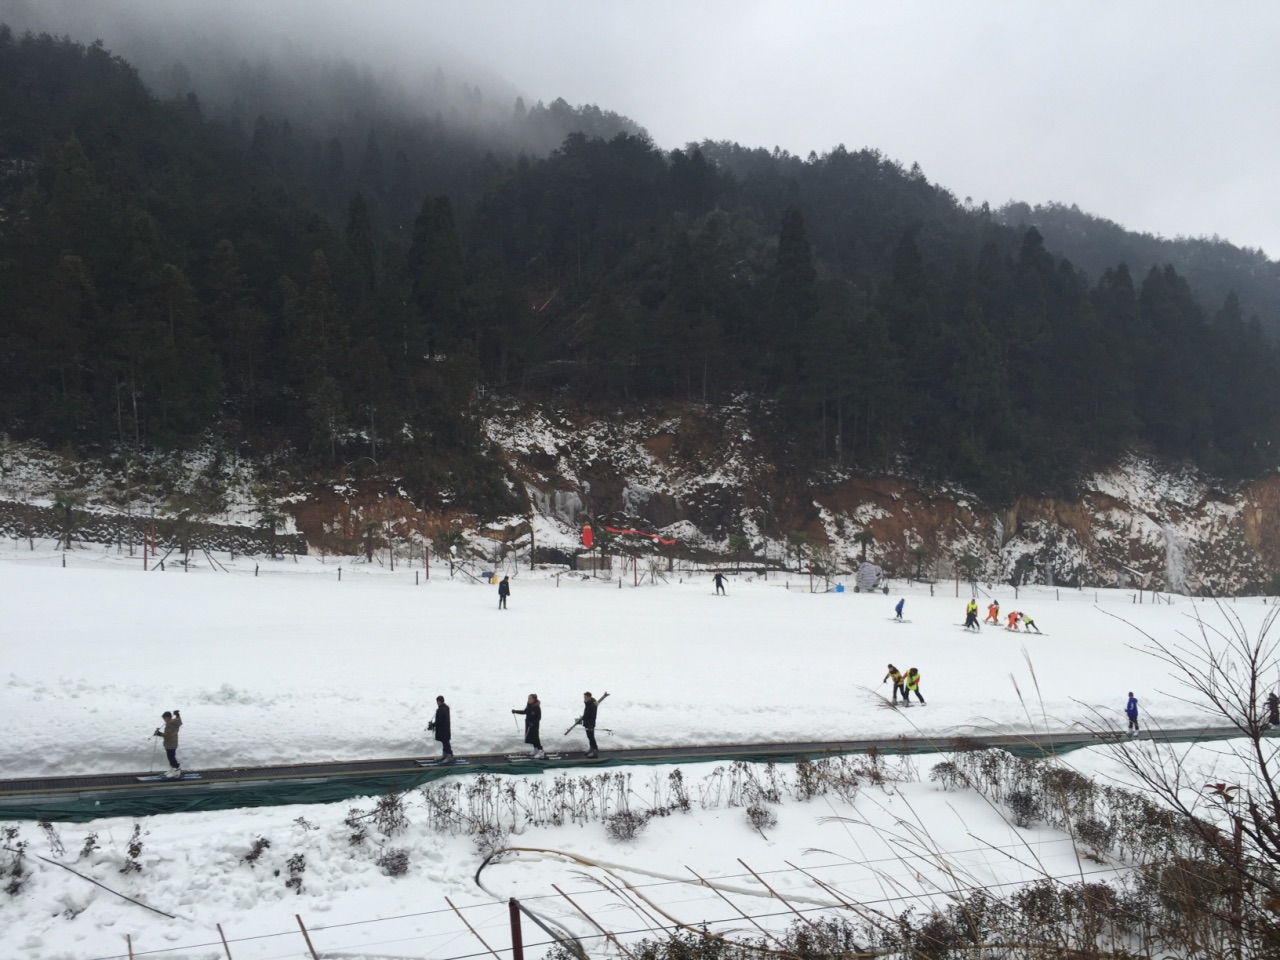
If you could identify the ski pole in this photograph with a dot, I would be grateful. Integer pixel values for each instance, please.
(151, 765)
(517, 722)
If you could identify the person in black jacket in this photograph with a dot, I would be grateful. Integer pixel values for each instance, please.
(443, 732)
(532, 719)
(589, 704)
(504, 591)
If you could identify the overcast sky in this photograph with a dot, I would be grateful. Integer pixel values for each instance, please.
(1161, 115)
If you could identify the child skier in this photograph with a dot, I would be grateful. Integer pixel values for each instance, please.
(993, 613)
(1131, 711)
(898, 609)
(1014, 615)
(1028, 623)
(910, 682)
(896, 677)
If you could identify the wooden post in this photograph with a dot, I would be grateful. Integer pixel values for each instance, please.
(224, 941)
(128, 942)
(339, 574)
(415, 578)
(306, 936)
(255, 569)
(517, 943)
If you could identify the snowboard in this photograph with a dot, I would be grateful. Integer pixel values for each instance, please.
(160, 777)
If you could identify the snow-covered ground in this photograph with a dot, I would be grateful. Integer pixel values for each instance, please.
(294, 664)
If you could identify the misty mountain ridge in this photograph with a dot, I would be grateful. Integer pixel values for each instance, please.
(352, 295)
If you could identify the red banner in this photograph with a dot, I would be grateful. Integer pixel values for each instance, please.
(587, 538)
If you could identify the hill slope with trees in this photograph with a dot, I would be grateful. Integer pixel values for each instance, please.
(168, 274)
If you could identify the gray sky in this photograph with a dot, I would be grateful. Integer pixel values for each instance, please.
(1158, 114)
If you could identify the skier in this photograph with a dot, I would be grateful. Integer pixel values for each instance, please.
(971, 615)
(993, 613)
(719, 579)
(1273, 709)
(896, 677)
(1014, 615)
(588, 720)
(504, 591)
(910, 682)
(898, 609)
(172, 721)
(532, 718)
(1131, 711)
(1029, 624)
(441, 727)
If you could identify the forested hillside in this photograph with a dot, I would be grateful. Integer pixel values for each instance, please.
(168, 273)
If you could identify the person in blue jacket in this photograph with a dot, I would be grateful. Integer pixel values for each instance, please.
(898, 609)
(1131, 711)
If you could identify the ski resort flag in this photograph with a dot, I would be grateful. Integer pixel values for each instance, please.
(587, 538)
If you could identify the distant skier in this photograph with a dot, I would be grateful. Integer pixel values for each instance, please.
(910, 684)
(896, 677)
(442, 729)
(1131, 711)
(898, 609)
(1273, 709)
(532, 720)
(588, 721)
(971, 615)
(1014, 616)
(504, 591)
(719, 579)
(169, 740)
(993, 613)
(1028, 623)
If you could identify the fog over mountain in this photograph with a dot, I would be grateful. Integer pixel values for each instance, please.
(1135, 112)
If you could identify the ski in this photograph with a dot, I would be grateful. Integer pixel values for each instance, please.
(896, 620)
(441, 763)
(158, 777)
(524, 757)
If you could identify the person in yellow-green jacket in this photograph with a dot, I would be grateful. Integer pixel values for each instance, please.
(896, 676)
(911, 682)
(971, 615)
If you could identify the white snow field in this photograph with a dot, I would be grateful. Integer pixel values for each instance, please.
(295, 665)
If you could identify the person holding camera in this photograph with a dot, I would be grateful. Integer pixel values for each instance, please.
(172, 721)
(441, 727)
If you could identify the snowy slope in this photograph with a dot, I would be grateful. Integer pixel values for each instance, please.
(297, 665)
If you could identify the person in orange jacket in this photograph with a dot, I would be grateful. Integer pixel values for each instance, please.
(993, 612)
(1014, 617)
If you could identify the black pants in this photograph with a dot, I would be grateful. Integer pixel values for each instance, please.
(173, 757)
(906, 696)
(719, 588)
(971, 620)
(533, 739)
(1133, 723)
(591, 737)
(898, 688)
(502, 601)
(448, 750)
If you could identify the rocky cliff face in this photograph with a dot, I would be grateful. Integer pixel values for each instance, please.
(700, 474)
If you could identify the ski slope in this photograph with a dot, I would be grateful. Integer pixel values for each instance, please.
(295, 664)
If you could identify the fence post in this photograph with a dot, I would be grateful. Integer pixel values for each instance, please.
(306, 936)
(64, 559)
(517, 942)
(255, 569)
(415, 578)
(224, 941)
(339, 574)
